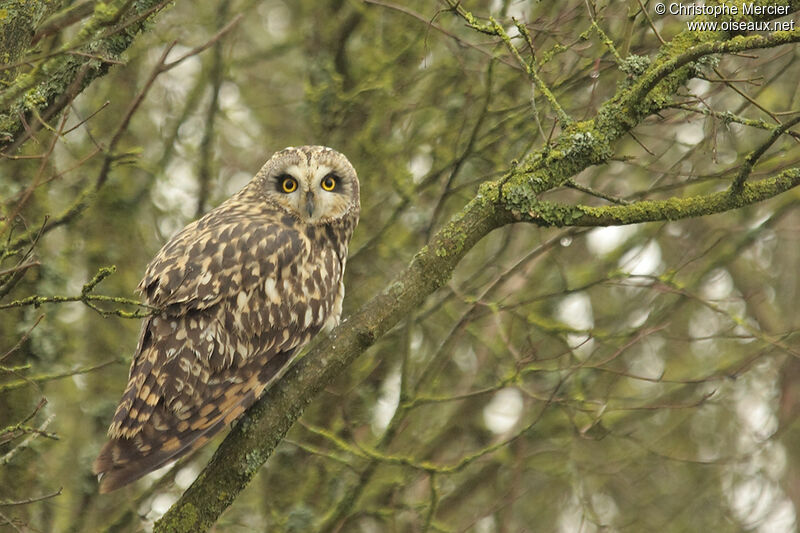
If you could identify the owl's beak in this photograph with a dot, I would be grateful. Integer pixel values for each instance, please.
(310, 203)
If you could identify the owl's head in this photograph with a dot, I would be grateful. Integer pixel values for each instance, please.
(316, 184)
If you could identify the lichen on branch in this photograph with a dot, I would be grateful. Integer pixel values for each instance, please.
(31, 98)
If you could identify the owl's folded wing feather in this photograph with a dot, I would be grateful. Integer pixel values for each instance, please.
(229, 325)
(229, 249)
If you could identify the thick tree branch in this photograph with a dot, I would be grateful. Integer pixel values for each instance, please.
(16, 31)
(56, 80)
(87, 195)
(552, 214)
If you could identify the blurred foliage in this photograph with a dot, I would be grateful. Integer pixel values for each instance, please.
(640, 378)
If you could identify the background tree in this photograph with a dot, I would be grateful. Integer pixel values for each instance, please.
(572, 372)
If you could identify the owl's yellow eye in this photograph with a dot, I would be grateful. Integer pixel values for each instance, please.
(329, 182)
(288, 184)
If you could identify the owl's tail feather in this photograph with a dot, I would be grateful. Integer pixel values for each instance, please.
(169, 433)
(123, 460)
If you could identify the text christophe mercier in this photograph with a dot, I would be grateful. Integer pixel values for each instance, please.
(729, 10)
(722, 10)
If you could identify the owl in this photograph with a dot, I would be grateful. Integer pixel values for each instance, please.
(239, 291)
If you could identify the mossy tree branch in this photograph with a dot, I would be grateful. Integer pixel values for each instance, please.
(515, 197)
(17, 29)
(552, 214)
(87, 195)
(29, 99)
(89, 299)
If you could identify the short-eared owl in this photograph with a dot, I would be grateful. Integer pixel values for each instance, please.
(239, 291)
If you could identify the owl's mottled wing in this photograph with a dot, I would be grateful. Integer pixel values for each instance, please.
(217, 256)
(240, 295)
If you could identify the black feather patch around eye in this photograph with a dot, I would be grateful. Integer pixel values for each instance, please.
(330, 182)
(285, 183)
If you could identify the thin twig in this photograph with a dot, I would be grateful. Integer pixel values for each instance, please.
(22, 339)
(5, 459)
(34, 499)
(52, 377)
(753, 157)
(650, 21)
(17, 268)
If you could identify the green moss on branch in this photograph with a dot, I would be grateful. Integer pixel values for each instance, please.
(54, 81)
(552, 214)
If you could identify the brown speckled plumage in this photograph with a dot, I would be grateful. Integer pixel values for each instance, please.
(240, 291)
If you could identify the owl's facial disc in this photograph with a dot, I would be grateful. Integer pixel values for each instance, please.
(317, 185)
